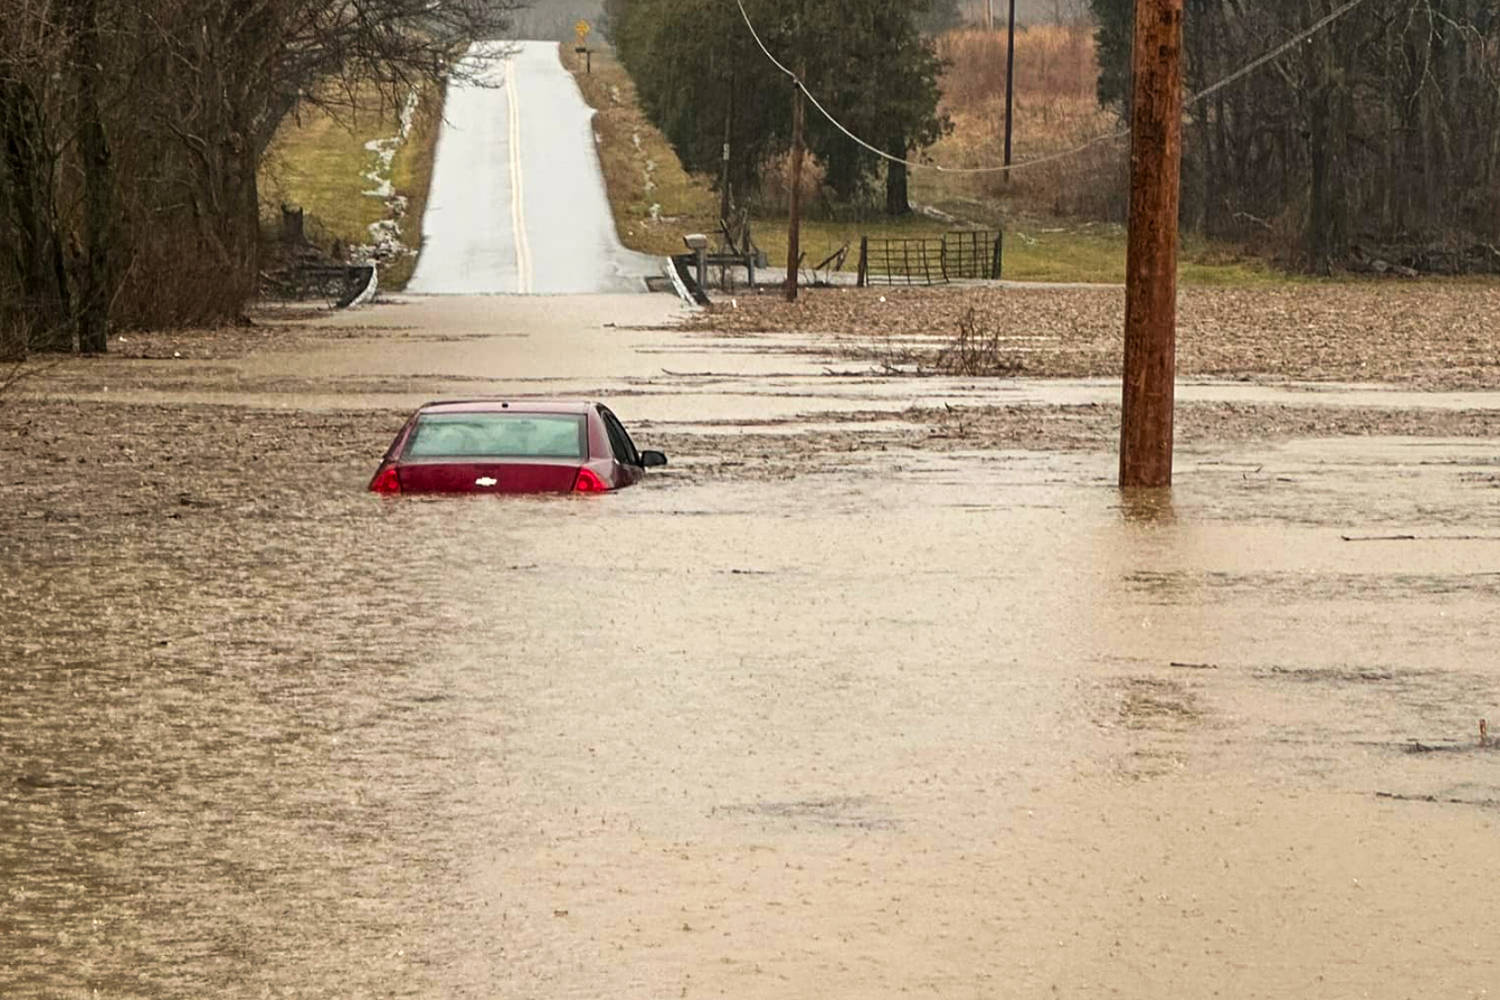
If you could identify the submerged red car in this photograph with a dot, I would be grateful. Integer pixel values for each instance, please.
(512, 446)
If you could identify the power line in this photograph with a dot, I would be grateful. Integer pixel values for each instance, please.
(1120, 133)
(1280, 50)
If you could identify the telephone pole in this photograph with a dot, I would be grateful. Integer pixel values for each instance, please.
(1151, 256)
(794, 226)
(724, 199)
(1010, 83)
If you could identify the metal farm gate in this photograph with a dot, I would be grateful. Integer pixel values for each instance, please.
(900, 261)
(966, 254)
(972, 254)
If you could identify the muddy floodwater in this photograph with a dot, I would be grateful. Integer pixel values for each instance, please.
(843, 703)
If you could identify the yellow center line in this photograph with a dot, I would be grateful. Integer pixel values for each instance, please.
(517, 189)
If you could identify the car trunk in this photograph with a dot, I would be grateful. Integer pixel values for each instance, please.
(489, 476)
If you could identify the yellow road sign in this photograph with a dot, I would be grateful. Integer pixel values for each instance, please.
(582, 27)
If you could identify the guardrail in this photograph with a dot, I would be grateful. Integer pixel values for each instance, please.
(342, 285)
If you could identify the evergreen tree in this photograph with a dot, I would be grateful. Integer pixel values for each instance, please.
(701, 78)
(1113, 37)
(890, 60)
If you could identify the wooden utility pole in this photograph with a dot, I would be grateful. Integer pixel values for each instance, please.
(794, 227)
(1151, 257)
(1010, 83)
(724, 199)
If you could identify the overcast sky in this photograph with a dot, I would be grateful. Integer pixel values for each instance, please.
(554, 19)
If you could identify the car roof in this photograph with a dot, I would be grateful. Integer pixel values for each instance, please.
(501, 405)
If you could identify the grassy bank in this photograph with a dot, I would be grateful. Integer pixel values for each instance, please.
(655, 201)
(319, 161)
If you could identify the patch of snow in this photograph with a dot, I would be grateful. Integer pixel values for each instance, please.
(386, 241)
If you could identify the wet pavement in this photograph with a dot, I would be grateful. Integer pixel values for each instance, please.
(518, 201)
(797, 717)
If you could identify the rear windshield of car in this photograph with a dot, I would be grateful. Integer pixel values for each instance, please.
(497, 435)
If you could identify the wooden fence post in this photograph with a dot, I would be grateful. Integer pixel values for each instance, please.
(864, 262)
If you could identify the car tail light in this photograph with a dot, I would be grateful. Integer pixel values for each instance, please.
(385, 481)
(588, 481)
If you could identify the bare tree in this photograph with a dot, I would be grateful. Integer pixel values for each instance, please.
(1380, 130)
(34, 292)
(131, 134)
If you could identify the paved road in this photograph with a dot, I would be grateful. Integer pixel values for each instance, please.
(518, 202)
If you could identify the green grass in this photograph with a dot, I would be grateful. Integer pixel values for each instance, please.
(1033, 252)
(1037, 254)
(820, 238)
(318, 161)
(1058, 252)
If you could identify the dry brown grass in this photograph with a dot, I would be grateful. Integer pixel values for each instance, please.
(1052, 61)
(1088, 184)
(1056, 74)
(15, 336)
(776, 186)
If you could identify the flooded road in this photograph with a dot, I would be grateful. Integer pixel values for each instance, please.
(808, 718)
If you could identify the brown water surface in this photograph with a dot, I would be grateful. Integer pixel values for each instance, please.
(958, 724)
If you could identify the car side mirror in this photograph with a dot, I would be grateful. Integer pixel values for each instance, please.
(652, 459)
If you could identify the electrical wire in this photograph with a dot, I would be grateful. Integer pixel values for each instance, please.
(1277, 52)
(1120, 133)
